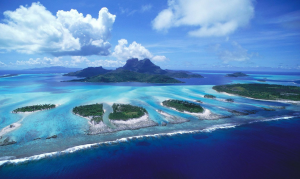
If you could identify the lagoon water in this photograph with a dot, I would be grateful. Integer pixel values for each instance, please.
(207, 148)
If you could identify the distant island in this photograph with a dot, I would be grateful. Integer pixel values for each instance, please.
(93, 111)
(237, 74)
(262, 91)
(209, 96)
(261, 80)
(89, 72)
(133, 71)
(52, 69)
(121, 75)
(126, 111)
(230, 100)
(33, 108)
(10, 75)
(183, 106)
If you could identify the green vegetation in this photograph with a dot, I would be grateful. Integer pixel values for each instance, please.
(230, 100)
(183, 106)
(209, 96)
(268, 109)
(93, 110)
(199, 101)
(134, 70)
(237, 74)
(129, 76)
(182, 74)
(34, 108)
(261, 80)
(126, 111)
(262, 91)
(88, 72)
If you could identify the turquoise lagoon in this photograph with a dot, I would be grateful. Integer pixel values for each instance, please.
(30, 89)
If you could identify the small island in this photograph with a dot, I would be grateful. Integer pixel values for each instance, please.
(183, 106)
(209, 96)
(237, 74)
(126, 111)
(122, 117)
(10, 75)
(94, 112)
(261, 80)
(230, 100)
(34, 108)
(262, 91)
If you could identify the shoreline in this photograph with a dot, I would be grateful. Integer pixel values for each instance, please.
(16, 125)
(119, 125)
(175, 120)
(27, 112)
(14, 161)
(279, 100)
(206, 114)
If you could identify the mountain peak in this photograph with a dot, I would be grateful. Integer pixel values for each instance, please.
(142, 66)
(89, 71)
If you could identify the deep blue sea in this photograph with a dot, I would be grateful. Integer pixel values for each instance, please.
(262, 145)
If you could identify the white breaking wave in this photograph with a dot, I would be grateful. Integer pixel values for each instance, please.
(11, 160)
(274, 119)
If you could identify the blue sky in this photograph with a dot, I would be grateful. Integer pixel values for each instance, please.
(175, 34)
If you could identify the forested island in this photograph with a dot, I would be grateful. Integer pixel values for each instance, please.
(209, 96)
(89, 72)
(183, 106)
(129, 76)
(93, 111)
(262, 91)
(126, 111)
(134, 70)
(237, 74)
(230, 100)
(33, 108)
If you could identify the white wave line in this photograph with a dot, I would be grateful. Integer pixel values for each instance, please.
(126, 139)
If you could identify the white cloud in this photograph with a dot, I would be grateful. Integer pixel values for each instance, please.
(290, 20)
(146, 8)
(2, 64)
(106, 63)
(212, 18)
(35, 30)
(56, 61)
(159, 58)
(235, 52)
(134, 50)
(79, 59)
(76, 61)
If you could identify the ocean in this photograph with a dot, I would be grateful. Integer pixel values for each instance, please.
(261, 145)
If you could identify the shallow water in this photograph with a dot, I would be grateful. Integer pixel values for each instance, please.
(29, 89)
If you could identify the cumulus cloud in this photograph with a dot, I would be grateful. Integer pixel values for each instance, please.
(235, 52)
(79, 59)
(56, 61)
(75, 61)
(134, 50)
(35, 30)
(211, 18)
(2, 64)
(106, 63)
